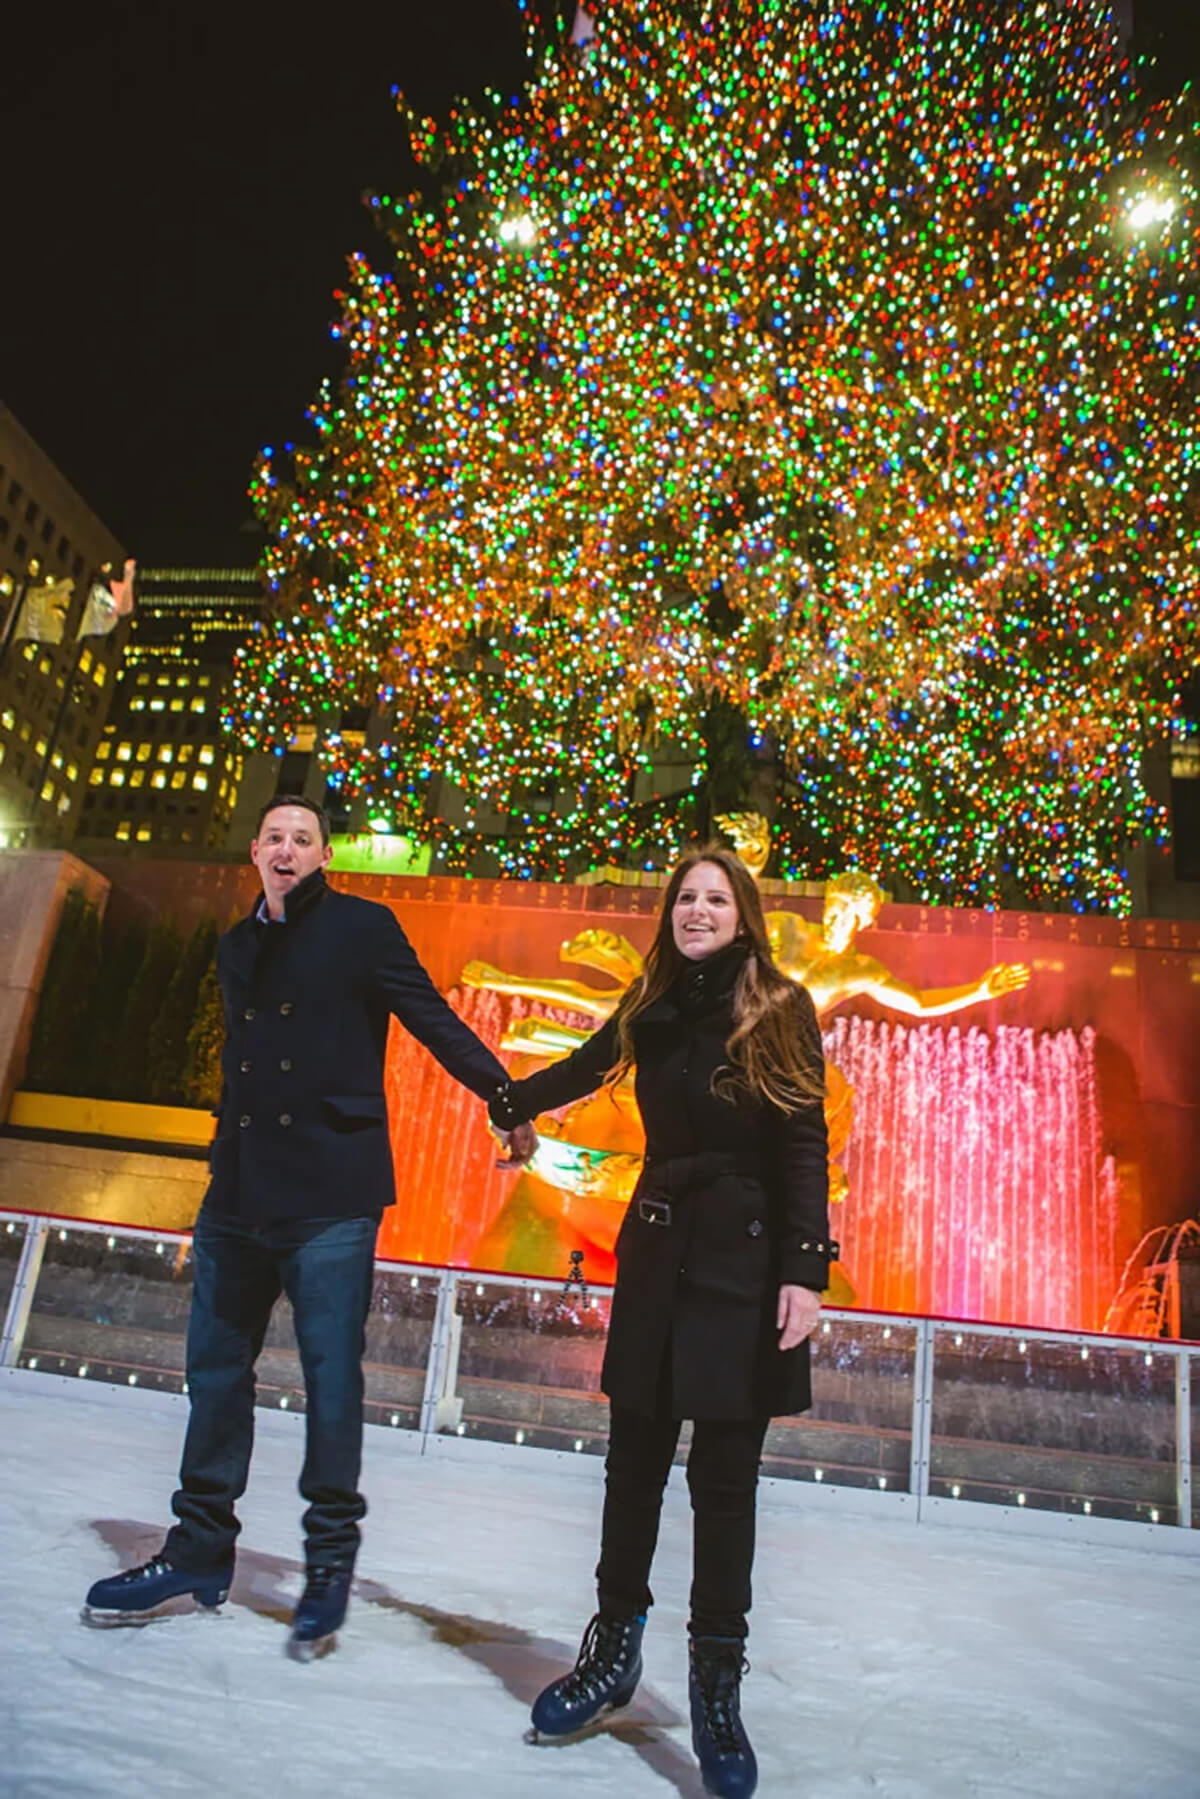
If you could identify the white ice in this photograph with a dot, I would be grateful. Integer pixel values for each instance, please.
(890, 1661)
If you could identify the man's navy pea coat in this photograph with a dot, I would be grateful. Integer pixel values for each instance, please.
(302, 1126)
(732, 1202)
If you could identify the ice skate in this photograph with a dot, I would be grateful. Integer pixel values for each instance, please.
(604, 1679)
(320, 1613)
(147, 1593)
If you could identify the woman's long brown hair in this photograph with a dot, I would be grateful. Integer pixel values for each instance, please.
(774, 1048)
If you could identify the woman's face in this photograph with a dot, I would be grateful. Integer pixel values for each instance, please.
(704, 917)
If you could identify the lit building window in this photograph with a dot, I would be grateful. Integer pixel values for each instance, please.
(122, 831)
(85, 661)
(8, 718)
(96, 778)
(158, 779)
(137, 705)
(64, 804)
(99, 674)
(117, 778)
(162, 681)
(72, 771)
(156, 705)
(185, 752)
(45, 665)
(47, 790)
(137, 777)
(204, 680)
(56, 760)
(179, 778)
(40, 746)
(124, 752)
(103, 750)
(177, 705)
(206, 754)
(198, 705)
(143, 834)
(200, 783)
(143, 680)
(144, 751)
(165, 752)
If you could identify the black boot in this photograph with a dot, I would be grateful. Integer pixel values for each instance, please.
(320, 1613)
(718, 1736)
(605, 1677)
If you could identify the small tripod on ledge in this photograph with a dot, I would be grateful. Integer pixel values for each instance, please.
(575, 1287)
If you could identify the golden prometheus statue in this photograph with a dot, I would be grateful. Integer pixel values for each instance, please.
(587, 1162)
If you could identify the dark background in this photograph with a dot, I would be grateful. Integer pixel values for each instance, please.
(182, 188)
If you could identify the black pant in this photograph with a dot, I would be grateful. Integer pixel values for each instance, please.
(722, 1476)
(326, 1268)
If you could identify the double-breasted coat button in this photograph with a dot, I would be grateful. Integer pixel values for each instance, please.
(754, 1228)
(244, 1120)
(248, 1014)
(285, 1008)
(245, 1067)
(285, 1118)
(286, 1065)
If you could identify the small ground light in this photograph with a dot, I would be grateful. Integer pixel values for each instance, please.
(1149, 1361)
(62, 1236)
(112, 1242)
(537, 1298)
(1087, 1506)
(1020, 1498)
(818, 1474)
(956, 1491)
(1022, 1346)
(460, 1430)
(882, 1482)
(83, 1368)
(395, 1418)
(1083, 1354)
(479, 1292)
(958, 1339)
(159, 1248)
(283, 1402)
(133, 1380)
(578, 1444)
(825, 1328)
(415, 1281)
(887, 1331)
(32, 1362)
(520, 1436)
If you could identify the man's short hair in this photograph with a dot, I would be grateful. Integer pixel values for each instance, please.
(306, 805)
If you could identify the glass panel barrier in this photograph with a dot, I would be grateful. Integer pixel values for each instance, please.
(399, 1335)
(1194, 1410)
(528, 1366)
(1054, 1425)
(859, 1431)
(111, 1308)
(114, 1307)
(12, 1242)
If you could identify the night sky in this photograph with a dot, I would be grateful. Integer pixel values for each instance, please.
(182, 186)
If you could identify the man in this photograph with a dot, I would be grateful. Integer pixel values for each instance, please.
(301, 1171)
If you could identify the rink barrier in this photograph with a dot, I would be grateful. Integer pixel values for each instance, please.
(930, 1419)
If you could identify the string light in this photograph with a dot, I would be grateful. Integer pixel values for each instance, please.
(826, 371)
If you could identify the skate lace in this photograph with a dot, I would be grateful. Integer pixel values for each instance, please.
(601, 1644)
(147, 1571)
(719, 1691)
(318, 1581)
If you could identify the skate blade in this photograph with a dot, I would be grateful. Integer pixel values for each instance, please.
(303, 1650)
(547, 1739)
(97, 1619)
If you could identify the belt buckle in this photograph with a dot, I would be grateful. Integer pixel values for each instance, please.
(655, 1211)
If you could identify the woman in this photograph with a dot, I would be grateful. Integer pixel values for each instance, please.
(721, 1260)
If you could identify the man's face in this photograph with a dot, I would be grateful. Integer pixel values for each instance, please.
(287, 848)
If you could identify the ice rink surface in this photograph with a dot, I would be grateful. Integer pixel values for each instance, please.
(888, 1661)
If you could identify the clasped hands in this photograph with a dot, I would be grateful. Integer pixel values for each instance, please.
(520, 1143)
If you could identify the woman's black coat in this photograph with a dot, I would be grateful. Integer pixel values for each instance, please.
(731, 1202)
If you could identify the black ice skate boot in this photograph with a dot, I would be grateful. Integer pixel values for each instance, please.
(320, 1613)
(604, 1678)
(140, 1595)
(718, 1736)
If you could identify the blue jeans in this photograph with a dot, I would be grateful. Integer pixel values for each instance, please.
(326, 1268)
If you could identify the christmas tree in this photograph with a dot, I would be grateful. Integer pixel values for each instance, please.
(803, 392)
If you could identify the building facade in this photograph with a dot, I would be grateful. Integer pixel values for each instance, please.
(165, 777)
(54, 698)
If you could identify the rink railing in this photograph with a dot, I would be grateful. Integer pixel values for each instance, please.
(945, 1422)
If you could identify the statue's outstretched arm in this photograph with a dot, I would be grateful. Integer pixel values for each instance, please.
(890, 990)
(572, 996)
